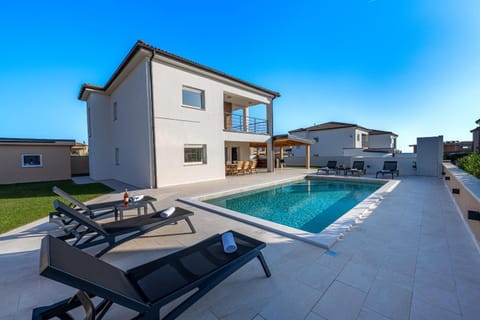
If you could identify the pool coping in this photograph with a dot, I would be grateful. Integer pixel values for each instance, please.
(327, 237)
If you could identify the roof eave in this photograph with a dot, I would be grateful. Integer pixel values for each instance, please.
(86, 89)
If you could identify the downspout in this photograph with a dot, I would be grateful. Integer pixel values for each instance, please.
(154, 145)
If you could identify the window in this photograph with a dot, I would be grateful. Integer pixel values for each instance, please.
(115, 111)
(193, 98)
(117, 156)
(195, 154)
(89, 124)
(234, 154)
(32, 160)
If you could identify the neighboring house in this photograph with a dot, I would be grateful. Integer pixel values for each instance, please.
(337, 139)
(79, 149)
(33, 160)
(79, 159)
(476, 137)
(457, 146)
(452, 147)
(382, 141)
(164, 120)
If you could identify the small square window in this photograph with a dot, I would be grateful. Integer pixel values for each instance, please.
(32, 160)
(193, 98)
(117, 156)
(195, 154)
(89, 124)
(115, 111)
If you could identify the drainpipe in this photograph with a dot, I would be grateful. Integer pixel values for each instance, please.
(271, 151)
(153, 158)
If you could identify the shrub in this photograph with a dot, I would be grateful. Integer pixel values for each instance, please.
(471, 164)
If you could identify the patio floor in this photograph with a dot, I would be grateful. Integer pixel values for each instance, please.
(410, 258)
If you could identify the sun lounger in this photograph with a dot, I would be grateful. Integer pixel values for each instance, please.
(92, 210)
(146, 288)
(389, 167)
(357, 168)
(331, 167)
(89, 233)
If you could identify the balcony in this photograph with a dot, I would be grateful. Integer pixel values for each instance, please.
(240, 123)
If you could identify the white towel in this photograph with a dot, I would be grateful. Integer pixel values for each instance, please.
(167, 212)
(229, 245)
(138, 198)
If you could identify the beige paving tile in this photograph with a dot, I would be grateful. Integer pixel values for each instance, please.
(291, 302)
(422, 310)
(317, 276)
(357, 275)
(439, 297)
(389, 300)
(340, 302)
(314, 316)
(367, 314)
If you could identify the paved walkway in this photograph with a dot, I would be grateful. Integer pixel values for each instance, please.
(410, 258)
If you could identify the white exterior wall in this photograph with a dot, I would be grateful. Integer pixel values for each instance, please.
(430, 156)
(176, 126)
(130, 132)
(381, 141)
(358, 137)
(243, 149)
(100, 137)
(330, 142)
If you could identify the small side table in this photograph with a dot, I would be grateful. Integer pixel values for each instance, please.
(147, 200)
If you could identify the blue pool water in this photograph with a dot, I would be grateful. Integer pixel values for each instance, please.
(309, 205)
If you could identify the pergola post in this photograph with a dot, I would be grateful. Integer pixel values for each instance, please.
(307, 158)
(281, 155)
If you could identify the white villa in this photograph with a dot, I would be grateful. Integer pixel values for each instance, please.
(337, 139)
(164, 120)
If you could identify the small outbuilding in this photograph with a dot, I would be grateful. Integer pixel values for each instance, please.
(34, 160)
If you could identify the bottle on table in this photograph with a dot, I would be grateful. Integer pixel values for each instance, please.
(125, 198)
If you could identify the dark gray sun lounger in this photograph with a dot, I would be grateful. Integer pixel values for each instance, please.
(146, 288)
(331, 166)
(92, 210)
(357, 168)
(90, 233)
(389, 167)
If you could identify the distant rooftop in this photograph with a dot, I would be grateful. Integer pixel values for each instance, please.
(341, 125)
(35, 141)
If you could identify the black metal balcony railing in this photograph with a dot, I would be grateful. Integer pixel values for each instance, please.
(237, 122)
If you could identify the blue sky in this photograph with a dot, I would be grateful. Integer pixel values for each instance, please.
(407, 66)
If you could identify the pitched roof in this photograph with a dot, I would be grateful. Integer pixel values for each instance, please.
(329, 126)
(374, 132)
(139, 45)
(341, 125)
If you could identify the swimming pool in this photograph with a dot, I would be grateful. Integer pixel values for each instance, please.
(300, 190)
(308, 205)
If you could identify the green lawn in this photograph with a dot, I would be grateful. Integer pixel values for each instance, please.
(23, 203)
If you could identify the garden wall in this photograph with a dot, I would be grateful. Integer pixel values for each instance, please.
(468, 196)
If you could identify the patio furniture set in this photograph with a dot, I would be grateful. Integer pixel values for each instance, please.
(147, 287)
(358, 168)
(241, 167)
